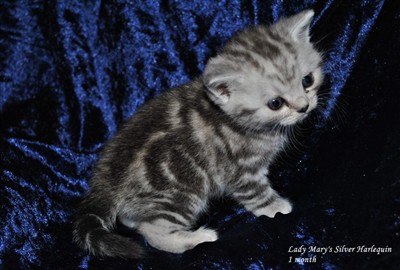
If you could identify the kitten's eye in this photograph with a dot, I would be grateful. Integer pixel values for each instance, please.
(308, 81)
(276, 103)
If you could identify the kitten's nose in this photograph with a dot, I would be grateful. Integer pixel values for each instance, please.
(304, 109)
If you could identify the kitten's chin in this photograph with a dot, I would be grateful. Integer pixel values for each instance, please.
(294, 119)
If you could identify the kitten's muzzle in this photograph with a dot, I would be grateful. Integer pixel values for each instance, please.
(304, 109)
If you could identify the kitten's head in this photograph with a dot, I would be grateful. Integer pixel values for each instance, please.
(267, 75)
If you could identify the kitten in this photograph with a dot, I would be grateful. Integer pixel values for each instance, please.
(214, 136)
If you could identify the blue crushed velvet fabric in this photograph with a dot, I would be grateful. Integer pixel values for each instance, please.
(72, 71)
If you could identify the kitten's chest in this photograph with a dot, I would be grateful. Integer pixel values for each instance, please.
(229, 154)
(256, 149)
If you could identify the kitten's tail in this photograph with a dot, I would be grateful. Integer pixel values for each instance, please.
(94, 234)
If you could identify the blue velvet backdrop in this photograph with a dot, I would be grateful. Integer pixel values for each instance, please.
(72, 71)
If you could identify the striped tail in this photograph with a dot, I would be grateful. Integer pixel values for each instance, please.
(93, 234)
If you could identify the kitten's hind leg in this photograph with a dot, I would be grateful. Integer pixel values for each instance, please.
(128, 222)
(165, 235)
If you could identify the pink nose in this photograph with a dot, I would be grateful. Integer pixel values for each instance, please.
(301, 104)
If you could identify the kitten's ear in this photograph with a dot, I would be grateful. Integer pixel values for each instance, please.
(299, 25)
(219, 78)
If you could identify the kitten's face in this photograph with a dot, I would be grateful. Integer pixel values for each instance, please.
(267, 76)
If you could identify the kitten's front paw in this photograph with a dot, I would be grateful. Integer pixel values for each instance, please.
(279, 205)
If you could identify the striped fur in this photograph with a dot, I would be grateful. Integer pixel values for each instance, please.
(214, 136)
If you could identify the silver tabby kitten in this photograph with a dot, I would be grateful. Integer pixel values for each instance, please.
(216, 135)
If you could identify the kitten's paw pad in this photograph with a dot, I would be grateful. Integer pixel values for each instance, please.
(279, 205)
